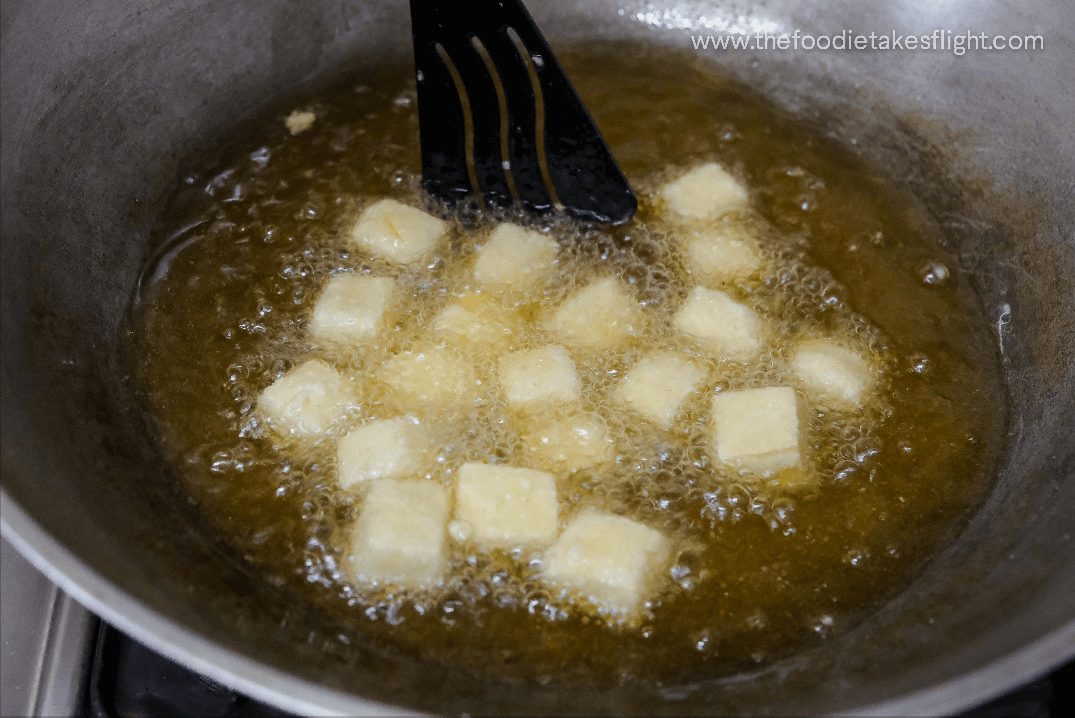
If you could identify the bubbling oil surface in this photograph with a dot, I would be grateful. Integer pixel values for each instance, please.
(760, 569)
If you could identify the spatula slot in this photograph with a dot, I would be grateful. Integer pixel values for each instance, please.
(468, 120)
(502, 108)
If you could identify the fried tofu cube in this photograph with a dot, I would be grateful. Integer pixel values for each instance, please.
(383, 449)
(614, 562)
(601, 316)
(539, 375)
(304, 402)
(722, 325)
(722, 253)
(399, 233)
(832, 371)
(757, 429)
(435, 378)
(704, 193)
(516, 258)
(580, 441)
(657, 385)
(507, 507)
(399, 538)
(476, 320)
(351, 308)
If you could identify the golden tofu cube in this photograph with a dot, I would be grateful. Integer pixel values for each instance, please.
(383, 449)
(704, 193)
(304, 402)
(612, 561)
(516, 258)
(601, 316)
(478, 321)
(579, 441)
(507, 507)
(351, 308)
(757, 429)
(657, 385)
(431, 379)
(397, 232)
(399, 538)
(831, 371)
(723, 253)
(539, 375)
(722, 325)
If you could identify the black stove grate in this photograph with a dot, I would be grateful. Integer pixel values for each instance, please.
(127, 679)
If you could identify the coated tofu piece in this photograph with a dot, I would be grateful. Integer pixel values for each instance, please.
(757, 429)
(579, 441)
(723, 253)
(601, 316)
(426, 380)
(305, 401)
(351, 308)
(721, 324)
(400, 535)
(516, 258)
(397, 232)
(475, 320)
(704, 193)
(507, 507)
(299, 121)
(657, 385)
(539, 375)
(383, 449)
(831, 371)
(613, 561)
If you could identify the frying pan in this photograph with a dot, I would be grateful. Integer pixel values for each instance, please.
(104, 101)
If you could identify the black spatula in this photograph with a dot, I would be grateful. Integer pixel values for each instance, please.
(500, 120)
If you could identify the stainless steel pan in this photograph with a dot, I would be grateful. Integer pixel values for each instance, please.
(103, 101)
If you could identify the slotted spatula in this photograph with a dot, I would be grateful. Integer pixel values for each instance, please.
(499, 119)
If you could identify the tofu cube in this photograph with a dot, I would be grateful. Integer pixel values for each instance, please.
(399, 538)
(757, 429)
(601, 316)
(614, 562)
(580, 441)
(721, 324)
(475, 320)
(425, 380)
(704, 193)
(723, 253)
(351, 309)
(383, 449)
(516, 258)
(539, 375)
(396, 232)
(304, 402)
(657, 385)
(831, 371)
(507, 507)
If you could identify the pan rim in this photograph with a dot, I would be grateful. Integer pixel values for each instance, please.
(279, 688)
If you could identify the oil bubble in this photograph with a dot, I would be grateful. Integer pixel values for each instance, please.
(935, 273)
